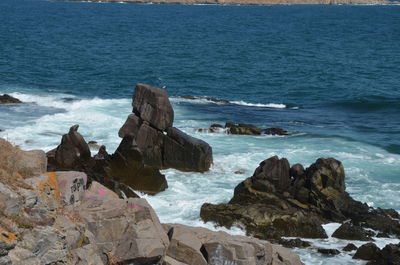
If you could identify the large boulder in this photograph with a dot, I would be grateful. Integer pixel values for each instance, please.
(200, 246)
(73, 152)
(126, 231)
(153, 105)
(186, 153)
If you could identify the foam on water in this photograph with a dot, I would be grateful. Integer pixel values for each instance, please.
(260, 105)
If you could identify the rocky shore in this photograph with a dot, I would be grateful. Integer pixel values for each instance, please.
(67, 207)
(254, 2)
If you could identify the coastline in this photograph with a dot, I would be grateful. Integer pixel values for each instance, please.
(245, 2)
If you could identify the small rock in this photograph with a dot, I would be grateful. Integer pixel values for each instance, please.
(383, 234)
(349, 231)
(328, 251)
(239, 172)
(350, 247)
(274, 131)
(246, 129)
(7, 99)
(294, 243)
(368, 251)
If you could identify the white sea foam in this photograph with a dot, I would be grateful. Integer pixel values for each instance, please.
(260, 105)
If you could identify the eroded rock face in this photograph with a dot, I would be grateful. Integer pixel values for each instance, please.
(351, 232)
(279, 200)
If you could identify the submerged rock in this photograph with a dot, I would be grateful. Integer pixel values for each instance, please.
(7, 99)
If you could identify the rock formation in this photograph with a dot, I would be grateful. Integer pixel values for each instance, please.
(162, 146)
(243, 129)
(149, 143)
(59, 218)
(279, 200)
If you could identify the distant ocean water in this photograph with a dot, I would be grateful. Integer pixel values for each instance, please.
(328, 74)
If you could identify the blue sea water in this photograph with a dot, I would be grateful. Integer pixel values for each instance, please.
(328, 74)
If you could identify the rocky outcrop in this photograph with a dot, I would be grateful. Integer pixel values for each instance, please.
(7, 99)
(161, 145)
(60, 218)
(200, 246)
(149, 143)
(243, 129)
(279, 200)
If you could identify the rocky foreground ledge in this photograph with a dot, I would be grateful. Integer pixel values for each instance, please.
(61, 218)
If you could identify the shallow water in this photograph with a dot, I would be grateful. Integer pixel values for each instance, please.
(328, 74)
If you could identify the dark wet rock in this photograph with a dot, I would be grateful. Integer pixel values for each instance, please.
(294, 243)
(328, 251)
(7, 99)
(73, 152)
(186, 153)
(368, 251)
(272, 174)
(246, 129)
(131, 126)
(389, 255)
(349, 231)
(153, 105)
(297, 171)
(274, 131)
(283, 201)
(381, 234)
(127, 166)
(350, 247)
(239, 172)
(215, 100)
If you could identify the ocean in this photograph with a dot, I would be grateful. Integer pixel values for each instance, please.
(330, 75)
